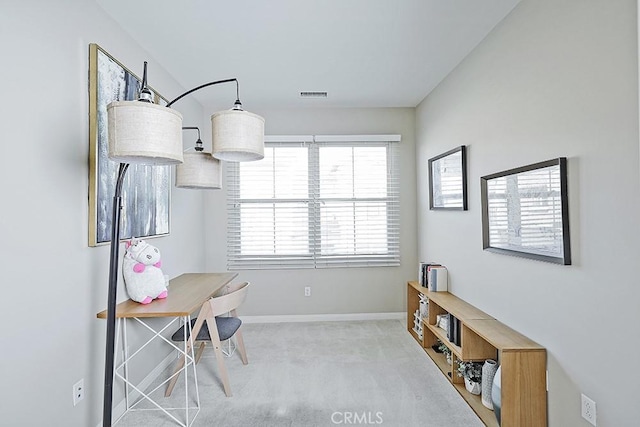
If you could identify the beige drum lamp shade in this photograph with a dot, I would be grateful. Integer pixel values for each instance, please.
(200, 170)
(237, 136)
(142, 132)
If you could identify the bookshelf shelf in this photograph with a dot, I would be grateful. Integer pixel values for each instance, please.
(524, 395)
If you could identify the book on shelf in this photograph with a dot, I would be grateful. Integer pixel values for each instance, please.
(451, 320)
(455, 328)
(423, 270)
(437, 278)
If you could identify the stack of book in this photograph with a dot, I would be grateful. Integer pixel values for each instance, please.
(423, 273)
(433, 276)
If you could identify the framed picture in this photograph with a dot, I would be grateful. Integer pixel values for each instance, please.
(146, 189)
(448, 180)
(525, 212)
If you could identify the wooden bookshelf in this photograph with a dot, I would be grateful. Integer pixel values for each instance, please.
(523, 361)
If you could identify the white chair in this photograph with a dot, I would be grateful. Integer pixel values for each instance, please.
(216, 329)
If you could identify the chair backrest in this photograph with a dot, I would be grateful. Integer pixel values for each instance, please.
(229, 301)
(229, 288)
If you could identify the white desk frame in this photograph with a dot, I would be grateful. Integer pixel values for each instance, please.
(187, 293)
(121, 371)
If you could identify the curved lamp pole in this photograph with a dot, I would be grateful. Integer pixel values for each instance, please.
(111, 303)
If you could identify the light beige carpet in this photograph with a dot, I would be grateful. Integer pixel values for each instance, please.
(323, 374)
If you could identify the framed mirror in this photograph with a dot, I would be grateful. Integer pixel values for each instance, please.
(448, 180)
(525, 212)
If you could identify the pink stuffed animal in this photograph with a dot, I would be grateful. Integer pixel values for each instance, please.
(142, 274)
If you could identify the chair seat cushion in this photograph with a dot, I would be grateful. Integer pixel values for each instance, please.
(227, 326)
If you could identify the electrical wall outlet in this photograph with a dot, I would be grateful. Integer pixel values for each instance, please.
(588, 409)
(307, 291)
(78, 392)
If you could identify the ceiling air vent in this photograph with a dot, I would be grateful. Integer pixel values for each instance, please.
(313, 94)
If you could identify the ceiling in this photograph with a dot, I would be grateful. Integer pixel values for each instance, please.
(363, 53)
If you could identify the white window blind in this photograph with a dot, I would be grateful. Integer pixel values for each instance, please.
(315, 202)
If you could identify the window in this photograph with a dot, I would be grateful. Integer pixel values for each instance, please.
(315, 202)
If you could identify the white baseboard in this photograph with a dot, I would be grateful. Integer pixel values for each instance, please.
(323, 317)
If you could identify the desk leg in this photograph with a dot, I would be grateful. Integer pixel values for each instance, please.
(121, 372)
(121, 332)
(188, 347)
(122, 323)
(204, 311)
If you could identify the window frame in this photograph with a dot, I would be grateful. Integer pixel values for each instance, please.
(315, 258)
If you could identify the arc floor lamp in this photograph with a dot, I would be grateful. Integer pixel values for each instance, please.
(143, 132)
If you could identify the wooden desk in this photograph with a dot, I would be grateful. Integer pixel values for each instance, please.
(187, 294)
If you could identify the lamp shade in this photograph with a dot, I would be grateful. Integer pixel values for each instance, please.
(237, 136)
(142, 132)
(199, 170)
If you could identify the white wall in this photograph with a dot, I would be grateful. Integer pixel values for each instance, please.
(334, 291)
(53, 284)
(553, 79)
